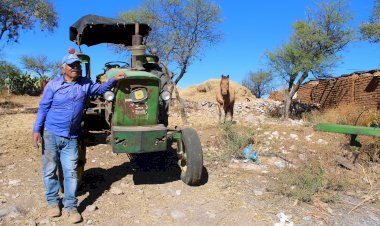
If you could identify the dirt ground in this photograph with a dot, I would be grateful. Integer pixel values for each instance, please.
(117, 192)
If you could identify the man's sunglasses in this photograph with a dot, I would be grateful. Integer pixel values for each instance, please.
(74, 65)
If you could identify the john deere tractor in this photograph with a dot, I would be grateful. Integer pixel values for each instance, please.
(136, 110)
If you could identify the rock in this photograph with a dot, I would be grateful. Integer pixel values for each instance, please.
(32, 223)
(307, 218)
(116, 191)
(293, 136)
(341, 161)
(91, 208)
(89, 222)
(11, 212)
(11, 167)
(211, 214)
(124, 184)
(2, 199)
(14, 182)
(15, 196)
(45, 221)
(321, 141)
(258, 193)
(308, 137)
(249, 165)
(302, 157)
(279, 164)
(177, 214)
(3, 212)
(350, 193)
(157, 212)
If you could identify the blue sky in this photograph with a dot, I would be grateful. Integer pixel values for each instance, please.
(250, 29)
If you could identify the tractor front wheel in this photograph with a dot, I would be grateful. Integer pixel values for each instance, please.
(190, 157)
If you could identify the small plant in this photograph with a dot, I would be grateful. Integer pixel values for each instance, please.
(233, 140)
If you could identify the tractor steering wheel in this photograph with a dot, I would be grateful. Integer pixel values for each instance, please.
(116, 64)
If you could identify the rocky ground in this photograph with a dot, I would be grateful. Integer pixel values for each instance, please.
(118, 192)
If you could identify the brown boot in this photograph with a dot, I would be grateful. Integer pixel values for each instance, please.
(74, 216)
(54, 211)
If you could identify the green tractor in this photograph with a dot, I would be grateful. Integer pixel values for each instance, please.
(136, 110)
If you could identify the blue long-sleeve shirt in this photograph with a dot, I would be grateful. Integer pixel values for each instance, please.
(62, 104)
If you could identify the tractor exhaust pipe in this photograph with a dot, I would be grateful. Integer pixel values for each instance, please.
(137, 49)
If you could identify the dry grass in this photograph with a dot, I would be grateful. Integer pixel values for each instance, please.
(346, 115)
(19, 101)
(312, 180)
(321, 177)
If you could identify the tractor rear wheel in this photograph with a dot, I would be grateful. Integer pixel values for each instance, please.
(190, 157)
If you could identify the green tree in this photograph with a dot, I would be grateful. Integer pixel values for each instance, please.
(7, 70)
(181, 30)
(16, 15)
(40, 65)
(313, 47)
(259, 83)
(371, 30)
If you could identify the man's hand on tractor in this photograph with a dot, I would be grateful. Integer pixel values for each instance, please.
(36, 140)
(119, 75)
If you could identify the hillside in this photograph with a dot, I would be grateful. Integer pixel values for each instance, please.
(206, 91)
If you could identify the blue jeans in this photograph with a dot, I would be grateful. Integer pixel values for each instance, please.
(54, 149)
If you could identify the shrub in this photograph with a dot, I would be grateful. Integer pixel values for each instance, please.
(309, 181)
(20, 84)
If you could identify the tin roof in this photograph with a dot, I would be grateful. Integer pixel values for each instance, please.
(93, 29)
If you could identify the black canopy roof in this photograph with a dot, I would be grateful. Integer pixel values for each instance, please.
(92, 29)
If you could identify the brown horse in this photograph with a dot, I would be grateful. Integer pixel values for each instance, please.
(225, 98)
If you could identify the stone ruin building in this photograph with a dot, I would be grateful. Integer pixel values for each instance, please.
(361, 88)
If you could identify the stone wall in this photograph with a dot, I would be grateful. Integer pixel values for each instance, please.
(361, 88)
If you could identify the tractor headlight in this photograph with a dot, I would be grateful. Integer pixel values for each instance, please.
(109, 96)
(165, 95)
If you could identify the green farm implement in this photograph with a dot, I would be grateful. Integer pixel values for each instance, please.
(352, 131)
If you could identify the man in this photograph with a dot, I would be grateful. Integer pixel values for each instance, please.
(59, 121)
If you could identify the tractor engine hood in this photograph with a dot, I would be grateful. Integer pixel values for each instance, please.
(92, 30)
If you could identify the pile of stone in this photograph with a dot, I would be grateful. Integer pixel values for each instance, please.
(241, 109)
